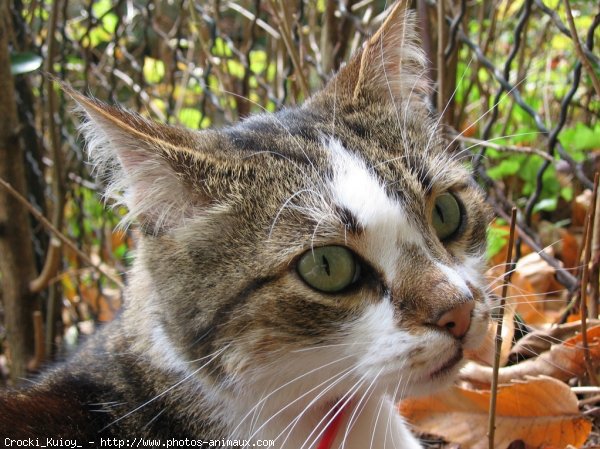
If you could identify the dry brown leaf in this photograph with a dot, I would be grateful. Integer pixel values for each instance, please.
(580, 207)
(569, 249)
(537, 271)
(531, 280)
(542, 412)
(540, 340)
(563, 361)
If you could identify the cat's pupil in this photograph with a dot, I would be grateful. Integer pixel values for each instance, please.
(326, 265)
(440, 213)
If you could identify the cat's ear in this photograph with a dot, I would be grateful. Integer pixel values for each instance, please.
(152, 169)
(391, 66)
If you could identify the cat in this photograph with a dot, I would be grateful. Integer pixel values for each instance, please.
(297, 274)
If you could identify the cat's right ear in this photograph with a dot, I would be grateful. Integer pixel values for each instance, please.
(154, 170)
(390, 67)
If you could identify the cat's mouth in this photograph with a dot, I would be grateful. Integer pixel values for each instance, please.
(448, 366)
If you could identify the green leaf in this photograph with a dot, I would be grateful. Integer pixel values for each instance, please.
(547, 204)
(505, 168)
(496, 240)
(581, 138)
(190, 117)
(236, 68)
(154, 70)
(221, 48)
(26, 62)
(101, 7)
(566, 193)
(258, 61)
(120, 251)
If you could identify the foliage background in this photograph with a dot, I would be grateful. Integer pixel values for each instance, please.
(518, 91)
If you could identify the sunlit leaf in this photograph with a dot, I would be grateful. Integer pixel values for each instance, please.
(497, 238)
(154, 70)
(26, 62)
(581, 137)
(541, 412)
(546, 204)
(563, 362)
(190, 117)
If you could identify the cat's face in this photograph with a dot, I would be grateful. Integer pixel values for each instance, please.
(334, 246)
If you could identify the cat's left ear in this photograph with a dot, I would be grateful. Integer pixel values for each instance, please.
(391, 66)
(163, 174)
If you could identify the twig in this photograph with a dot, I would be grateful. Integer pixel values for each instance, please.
(562, 275)
(582, 57)
(584, 282)
(58, 206)
(285, 26)
(593, 411)
(575, 295)
(44, 221)
(498, 341)
(595, 270)
(553, 14)
(50, 269)
(512, 148)
(38, 341)
(252, 17)
(441, 60)
(587, 401)
(360, 4)
(585, 390)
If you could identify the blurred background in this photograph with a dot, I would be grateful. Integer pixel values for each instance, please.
(516, 83)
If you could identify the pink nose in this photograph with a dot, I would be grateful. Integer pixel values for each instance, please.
(457, 320)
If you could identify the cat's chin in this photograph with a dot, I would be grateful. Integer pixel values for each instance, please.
(438, 377)
(447, 370)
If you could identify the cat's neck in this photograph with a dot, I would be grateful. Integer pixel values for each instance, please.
(371, 421)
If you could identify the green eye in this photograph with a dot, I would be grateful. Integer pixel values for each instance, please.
(328, 268)
(446, 216)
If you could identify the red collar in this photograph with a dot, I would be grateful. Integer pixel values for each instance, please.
(332, 428)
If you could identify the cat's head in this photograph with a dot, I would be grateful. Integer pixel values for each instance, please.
(338, 240)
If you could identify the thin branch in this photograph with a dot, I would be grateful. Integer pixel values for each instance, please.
(584, 283)
(511, 148)
(498, 341)
(562, 275)
(587, 401)
(44, 221)
(284, 21)
(595, 270)
(585, 390)
(58, 207)
(38, 340)
(441, 60)
(252, 17)
(582, 57)
(51, 266)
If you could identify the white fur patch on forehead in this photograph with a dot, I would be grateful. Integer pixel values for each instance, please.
(355, 188)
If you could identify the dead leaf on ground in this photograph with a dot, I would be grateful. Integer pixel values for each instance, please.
(542, 412)
(563, 361)
(540, 340)
(532, 279)
(580, 207)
